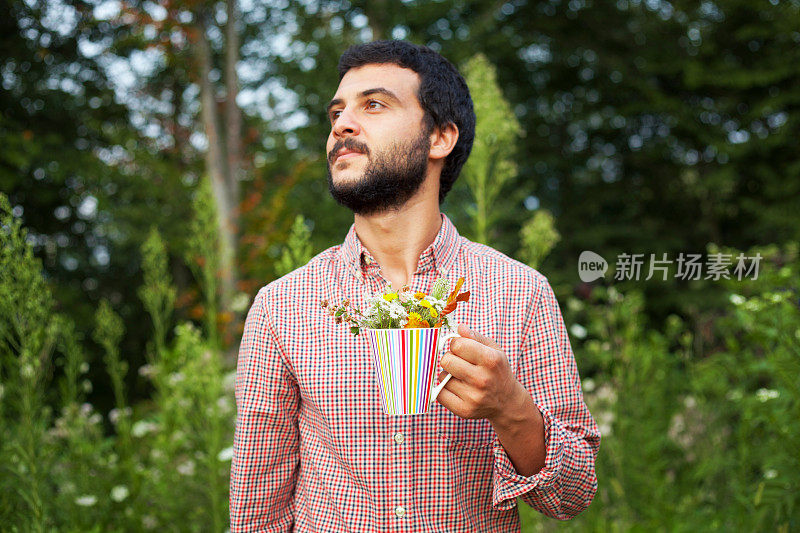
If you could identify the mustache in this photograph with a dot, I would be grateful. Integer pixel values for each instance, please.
(350, 144)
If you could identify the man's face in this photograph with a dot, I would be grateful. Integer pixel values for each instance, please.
(384, 128)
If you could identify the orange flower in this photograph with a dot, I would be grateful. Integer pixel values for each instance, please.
(420, 295)
(416, 321)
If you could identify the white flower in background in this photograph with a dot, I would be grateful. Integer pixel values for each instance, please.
(86, 385)
(764, 395)
(736, 299)
(143, 427)
(84, 367)
(240, 302)
(26, 371)
(224, 404)
(689, 402)
(115, 413)
(186, 468)
(229, 381)
(149, 522)
(146, 371)
(734, 395)
(578, 331)
(119, 493)
(606, 393)
(588, 384)
(175, 378)
(226, 454)
(96, 419)
(86, 500)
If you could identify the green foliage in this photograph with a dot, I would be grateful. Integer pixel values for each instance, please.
(694, 441)
(157, 293)
(491, 163)
(66, 474)
(538, 236)
(297, 251)
(202, 253)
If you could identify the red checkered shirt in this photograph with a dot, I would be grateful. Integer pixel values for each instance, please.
(313, 450)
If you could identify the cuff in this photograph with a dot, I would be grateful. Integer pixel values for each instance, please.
(507, 484)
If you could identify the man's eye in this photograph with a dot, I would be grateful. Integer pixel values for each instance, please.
(374, 102)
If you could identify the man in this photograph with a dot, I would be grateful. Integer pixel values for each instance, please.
(313, 451)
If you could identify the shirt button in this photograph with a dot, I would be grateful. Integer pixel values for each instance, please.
(400, 511)
(399, 438)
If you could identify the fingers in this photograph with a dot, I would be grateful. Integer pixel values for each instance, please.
(457, 366)
(464, 331)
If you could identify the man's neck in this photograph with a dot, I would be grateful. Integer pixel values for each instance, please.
(396, 239)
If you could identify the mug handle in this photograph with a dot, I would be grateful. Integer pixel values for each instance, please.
(438, 388)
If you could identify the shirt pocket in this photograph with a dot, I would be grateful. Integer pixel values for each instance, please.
(457, 431)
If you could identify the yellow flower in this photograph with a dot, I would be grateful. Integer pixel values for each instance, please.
(425, 303)
(420, 295)
(389, 297)
(433, 312)
(414, 317)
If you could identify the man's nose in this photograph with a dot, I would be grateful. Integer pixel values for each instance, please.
(346, 124)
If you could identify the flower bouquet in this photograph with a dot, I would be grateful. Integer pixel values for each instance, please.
(405, 336)
(402, 309)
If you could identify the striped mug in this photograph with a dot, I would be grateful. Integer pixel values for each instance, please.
(405, 365)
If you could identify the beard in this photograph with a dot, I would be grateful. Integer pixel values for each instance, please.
(390, 179)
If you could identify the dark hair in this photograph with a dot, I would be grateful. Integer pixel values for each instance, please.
(443, 94)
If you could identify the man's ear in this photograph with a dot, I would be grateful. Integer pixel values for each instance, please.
(443, 140)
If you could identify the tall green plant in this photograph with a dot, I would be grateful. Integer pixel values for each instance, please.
(297, 251)
(27, 338)
(538, 236)
(491, 162)
(157, 293)
(202, 253)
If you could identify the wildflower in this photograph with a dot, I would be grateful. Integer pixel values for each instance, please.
(390, 296)
(440, 288)
(186, 468)
(425, 303)
(420, 295)
(434, 313)
(736, 299)
(86, 500)
(578, 331)
(143, 427)
(226, 454)
(764, 395)
(416, 321)
(405, 294)
(119, 493)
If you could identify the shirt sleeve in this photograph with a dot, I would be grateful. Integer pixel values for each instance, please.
(265, 459)
(546, 368)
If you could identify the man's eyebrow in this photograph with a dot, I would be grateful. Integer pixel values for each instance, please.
(362, 94)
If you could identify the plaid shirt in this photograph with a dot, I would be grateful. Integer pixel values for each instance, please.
(314, 452)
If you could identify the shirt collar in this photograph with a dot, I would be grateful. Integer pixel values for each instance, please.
(441, 254)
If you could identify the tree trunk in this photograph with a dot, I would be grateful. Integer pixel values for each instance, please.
(233, 125)
(218, 173)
